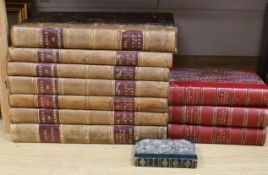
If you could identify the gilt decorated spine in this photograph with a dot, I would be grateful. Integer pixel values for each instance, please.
(106, 103)
(91, 57)
(217, 96)
(218, 135)
(87, 71)
(95, 134)
(219, 116)
(90, 87)
(89, 117)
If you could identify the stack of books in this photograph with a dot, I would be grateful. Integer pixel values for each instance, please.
(117, 92)
(218, 106)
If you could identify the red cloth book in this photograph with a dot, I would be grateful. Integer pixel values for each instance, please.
(219, 116)
(217, 87)
(218, 135)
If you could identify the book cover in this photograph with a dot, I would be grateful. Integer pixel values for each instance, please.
(165, 153)
(88, 117)
(88, 134)
(217, 87)
(91, 57)
(98, 30)
(219, 116)
(217, 134)
(87, 71)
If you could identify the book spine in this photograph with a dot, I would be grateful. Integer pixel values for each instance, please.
(92, 87)
(218, 135)
(89, 117)
(166, 162)
(87, 71)
(204, 96)
(91, 57)
(219, 116)
(141, 104)
(147, 39)
(93, 134)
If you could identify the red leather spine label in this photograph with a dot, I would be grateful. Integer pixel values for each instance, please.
(123, 134)
(124, 103)
(124, 88)
(124, 72)
(49, 116)
(46, 70)
(49, 133)
(124, 118)
(127, 58)
(180, 95)
(132, 40)
(48, 101)
(47, 86)
(52, 37)
(218, 135)
(48, 55)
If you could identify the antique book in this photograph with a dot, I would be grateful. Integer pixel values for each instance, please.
(92, 57)
(106, 103)
(87, 71)
(98, 30)
(91, 87)
(219, 116)
(217, 134)
(95, 134)
(89, 117)
(165, 153)
(217, 87)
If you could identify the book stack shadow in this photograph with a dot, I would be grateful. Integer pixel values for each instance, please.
(90, 77)
(220, 106)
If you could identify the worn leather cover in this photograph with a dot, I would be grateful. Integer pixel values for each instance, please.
(98, 30)
(92, 57)
(97, 134)
(89, 117)
(87, 71)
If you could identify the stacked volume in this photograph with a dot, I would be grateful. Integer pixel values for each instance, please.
(218, 106)
(114, 93)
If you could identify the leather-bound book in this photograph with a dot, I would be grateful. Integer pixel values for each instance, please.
(98, 30)
(217, 87)
(91, 57)
(141, 104)
(87, 71)
(219, 116)
(87, 87)
(89, 117)
(217, 134)
(165, 153)
(95, 134)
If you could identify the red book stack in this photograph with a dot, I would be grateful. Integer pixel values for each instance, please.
(217, 106)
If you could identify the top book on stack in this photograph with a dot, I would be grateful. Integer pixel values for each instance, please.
(217, 87)
(98, 30)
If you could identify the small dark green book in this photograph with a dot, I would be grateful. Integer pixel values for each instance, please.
(165, 153)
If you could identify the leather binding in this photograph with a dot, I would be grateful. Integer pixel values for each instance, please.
(87, 71)
(219, 116)
(93, 134)
(91, 57)
(88, 117)
(141, 104)
(217, 87)
(217, 134)
(98, 30)
(165, 153)
(86, 87)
